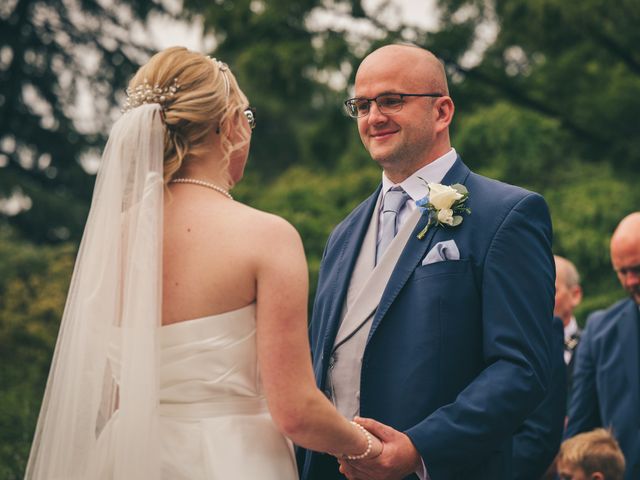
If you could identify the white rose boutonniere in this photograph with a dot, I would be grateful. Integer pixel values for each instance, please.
(444, 205)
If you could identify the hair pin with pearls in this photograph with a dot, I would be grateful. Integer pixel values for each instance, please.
(224, 68)
(145, 93)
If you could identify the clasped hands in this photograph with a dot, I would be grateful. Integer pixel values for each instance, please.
(393, 455)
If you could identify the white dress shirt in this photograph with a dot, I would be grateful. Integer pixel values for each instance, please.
(415, 185)
(569, 330)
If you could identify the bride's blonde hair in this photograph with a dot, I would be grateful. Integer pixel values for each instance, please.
(207, 98)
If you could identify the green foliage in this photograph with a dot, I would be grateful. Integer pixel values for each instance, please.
(33, 289)
(551, 107)
(314, 203)
(274, 56)
(585, 211)
(511, 144)
(52, 53)
(574, 62)
(586, 200)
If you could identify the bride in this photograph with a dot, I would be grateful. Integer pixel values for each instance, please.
(183, 350)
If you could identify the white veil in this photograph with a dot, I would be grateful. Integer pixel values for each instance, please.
(100, 405)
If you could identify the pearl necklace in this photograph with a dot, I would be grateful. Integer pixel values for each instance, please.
(202, 183)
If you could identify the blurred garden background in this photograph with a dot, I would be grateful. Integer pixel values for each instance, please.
(547, 95)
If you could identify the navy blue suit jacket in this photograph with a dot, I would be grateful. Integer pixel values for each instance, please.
(459, 351)
(606, 380)
(537, 441)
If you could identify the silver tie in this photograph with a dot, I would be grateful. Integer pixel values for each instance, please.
(392, 203)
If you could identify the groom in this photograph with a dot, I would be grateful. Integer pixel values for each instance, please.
(444, 340)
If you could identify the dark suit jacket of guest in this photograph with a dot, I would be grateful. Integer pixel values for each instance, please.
(606, 380)
(537, 441)
(459, 351)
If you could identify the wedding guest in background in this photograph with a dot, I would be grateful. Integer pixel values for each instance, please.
(568, 297)
(592, 455)
(606, 380)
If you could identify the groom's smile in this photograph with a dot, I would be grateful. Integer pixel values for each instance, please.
(383, 135)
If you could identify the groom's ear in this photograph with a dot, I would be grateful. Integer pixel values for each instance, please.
(444, 113)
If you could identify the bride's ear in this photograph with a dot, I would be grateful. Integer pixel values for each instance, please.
(236, 131)
(227, 128)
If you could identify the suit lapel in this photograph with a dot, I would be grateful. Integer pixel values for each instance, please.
(628, 336)
(365, 262)
(349, 244)
(370, 292)
(415, 249)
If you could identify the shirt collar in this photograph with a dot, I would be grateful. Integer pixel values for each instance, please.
(571, 328)
(433, 172)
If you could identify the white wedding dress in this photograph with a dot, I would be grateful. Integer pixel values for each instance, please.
(214, 421)
(127, 398)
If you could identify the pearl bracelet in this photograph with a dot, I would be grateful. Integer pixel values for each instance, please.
(366, 453)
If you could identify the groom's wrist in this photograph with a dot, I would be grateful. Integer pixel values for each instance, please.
(415, 459)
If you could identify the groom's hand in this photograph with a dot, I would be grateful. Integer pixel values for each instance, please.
(398, 459)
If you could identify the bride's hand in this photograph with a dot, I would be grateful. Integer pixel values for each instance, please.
(374, 445)
(377, 446)
(396, 457)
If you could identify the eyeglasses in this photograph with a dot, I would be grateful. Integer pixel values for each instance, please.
(624, 271)
(250, 113)
(387, 103)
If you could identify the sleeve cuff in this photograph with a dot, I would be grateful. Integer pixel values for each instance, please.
(422, 471)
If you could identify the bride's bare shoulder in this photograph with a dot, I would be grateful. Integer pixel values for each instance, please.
(197, 218)
(267, 226)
